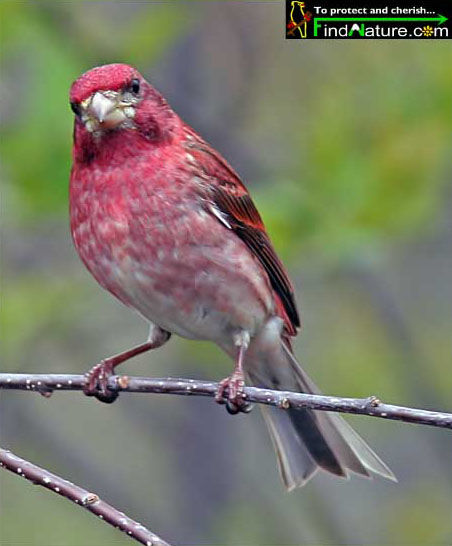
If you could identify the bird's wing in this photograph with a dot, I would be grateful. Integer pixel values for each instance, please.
(229, 201)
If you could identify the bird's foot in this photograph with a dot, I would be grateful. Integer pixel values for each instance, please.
(235, 399)
(96, 382)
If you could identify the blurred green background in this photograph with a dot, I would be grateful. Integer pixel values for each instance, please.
(345, 147)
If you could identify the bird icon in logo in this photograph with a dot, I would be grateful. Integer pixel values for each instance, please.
(298, 20)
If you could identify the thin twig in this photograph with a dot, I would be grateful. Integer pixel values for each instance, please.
(372, 406)
(90, 501)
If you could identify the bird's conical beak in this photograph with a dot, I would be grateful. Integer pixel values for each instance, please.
(101, 106)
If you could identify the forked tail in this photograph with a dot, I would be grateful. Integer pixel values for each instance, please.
(306, 440)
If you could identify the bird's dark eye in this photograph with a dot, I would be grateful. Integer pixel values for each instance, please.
(75, 107)
(135, 86)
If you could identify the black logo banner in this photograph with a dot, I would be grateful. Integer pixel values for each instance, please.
(340, 19)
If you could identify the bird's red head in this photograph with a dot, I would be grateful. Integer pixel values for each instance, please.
(114, 97)
(110, 77)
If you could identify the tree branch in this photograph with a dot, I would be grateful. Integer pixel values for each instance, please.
(90, 501)
(372, 406)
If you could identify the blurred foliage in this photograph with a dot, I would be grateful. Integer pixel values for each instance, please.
(346, 149)
(373, 159)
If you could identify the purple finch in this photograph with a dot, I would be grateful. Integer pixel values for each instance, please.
(162, 222)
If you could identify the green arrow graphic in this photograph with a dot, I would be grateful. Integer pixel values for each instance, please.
(440, 19)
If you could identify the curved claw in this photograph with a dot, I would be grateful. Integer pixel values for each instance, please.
(96, 383)
(235, 400)
(233, 409)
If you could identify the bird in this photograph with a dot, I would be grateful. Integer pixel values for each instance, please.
(164, 223)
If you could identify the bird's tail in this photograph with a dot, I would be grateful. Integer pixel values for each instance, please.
(306, 440)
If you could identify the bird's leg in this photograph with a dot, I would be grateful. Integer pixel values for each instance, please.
(234, 384)
(96, 380)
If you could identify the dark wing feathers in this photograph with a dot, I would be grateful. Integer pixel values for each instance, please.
(245, 221)
(230, 197)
